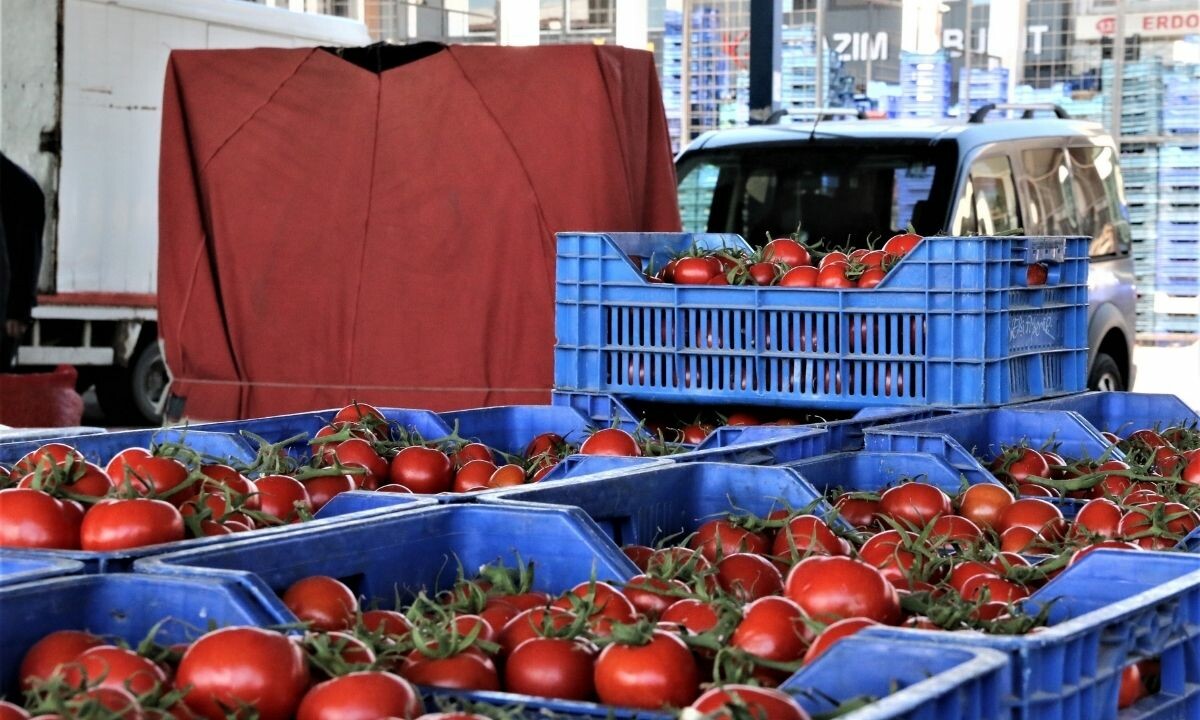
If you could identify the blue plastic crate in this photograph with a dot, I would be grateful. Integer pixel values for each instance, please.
(119, 561)
(406, 552)
(958, 438)
(12, 435)
(123, 606)
(870, 471)
(1123, 412)
(101, 447)
(952, 324)
(19, 567)
(918, 681)
(1108, 610)
(645, 506)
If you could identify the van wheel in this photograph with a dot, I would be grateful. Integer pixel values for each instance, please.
(133, 395)
(1105, 374)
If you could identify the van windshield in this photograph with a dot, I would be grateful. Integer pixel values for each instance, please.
(844, 193)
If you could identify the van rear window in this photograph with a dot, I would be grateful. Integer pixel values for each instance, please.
(842, 194)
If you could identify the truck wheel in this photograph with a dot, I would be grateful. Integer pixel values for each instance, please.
(1105, 374)
(133, 395)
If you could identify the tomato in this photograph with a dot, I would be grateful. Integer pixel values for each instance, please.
(607, 602)
(1109, 544)
(357, 452)
(468, 670)
(833, 588)
(1132, 688)
(751, 703)
(547, 444)
(800, 276)
(806, 534)
(1174, 522)
(159, 477)
(1113, 484)
(422, 470)
(871, 277)
(507, 476)
(111, 666)
(773, 628)
(995, 588)
(967, 569)
(1166, 461)
(859, 512)
(914, 504)
(1028, 463)
(361, 696)
(983, 503)
(1036, 274)
(357, 412)
(324, 603)
(119, 524)
(8, 711)
(1099, 518)
(694, 271)
(283, 497)
(720, 537)
(528, 624)
(763, 273)
(651, 596)
(559, 668)
(661, 672)
(474, 475)
(1191, 472)
(85, 479)
(639, 555)
(834, 632)
(394, 488)
(1032, 513)
(322, 489)
(833, 258)
(695, 615)
(238, 666)
(33, 519)
(955, 528)
(833, 275)
(889, 552)
(472, 451)
(47, 456)
(611, 442)
(389, 622)
(902, 244)
(106, 702)
(786, 251)
(57, 648)
(748, 577)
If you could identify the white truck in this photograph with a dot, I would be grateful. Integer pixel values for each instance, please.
(80, 105)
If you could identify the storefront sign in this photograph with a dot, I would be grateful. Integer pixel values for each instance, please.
(1159, 24)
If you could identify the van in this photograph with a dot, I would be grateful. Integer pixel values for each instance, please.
(851, 183)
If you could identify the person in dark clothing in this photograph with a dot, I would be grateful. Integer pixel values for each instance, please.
(22, 218)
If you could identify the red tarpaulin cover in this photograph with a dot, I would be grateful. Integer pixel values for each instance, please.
(330, 233)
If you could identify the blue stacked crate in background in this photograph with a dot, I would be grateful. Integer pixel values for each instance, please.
(924, 85)
(798, 69)
(1181, 99)
(980, 86)
(1141, 95)
(1139, 167)
(672, 75)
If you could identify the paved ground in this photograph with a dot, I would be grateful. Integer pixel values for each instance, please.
(1169, 369)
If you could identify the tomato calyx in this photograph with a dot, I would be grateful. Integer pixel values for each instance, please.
(271, 458)
(436, 635)
(334, 654)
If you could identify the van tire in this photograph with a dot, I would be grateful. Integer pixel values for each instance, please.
(1105, 374)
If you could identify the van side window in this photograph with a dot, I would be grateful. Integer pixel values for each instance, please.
(1051, 196)
(988, 203)
(696, 197)
(1096, 181)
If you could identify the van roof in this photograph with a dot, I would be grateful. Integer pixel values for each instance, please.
(966, 135)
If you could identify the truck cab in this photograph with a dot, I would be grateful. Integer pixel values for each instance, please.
(851, 183)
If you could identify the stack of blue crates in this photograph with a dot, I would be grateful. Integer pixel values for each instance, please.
(1181, 100)
(1141, 95)
(710, 85)
(979, 86)
(924, 85)
(798, 68)
(1139, 167)
(671, 74)
(1177, 247)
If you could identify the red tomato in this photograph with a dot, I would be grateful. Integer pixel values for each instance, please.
(833, 258)
(888, 551)
(57, 648)
(639, 554)
(833, 588)
(468, 670)
(423, 470)
(763, 273)
(773, 628)
(997, 589)
(357, 452)
(1110, 544)
(1036, 274)
(547, 444)
(357, 412)
(800, 276)
(33, 519)
(474, 475)
(47, 456)
(361, 696)
(1028, 463)
(695, 615)
(1175, 521)
(834, 632)
(661, 672)
(111, 666)
(786, 251)
(528, 624)
(1032, 513)
(967, 569)
(694, 271)
(394, 488)
(1100, 517)
(748, 577)
(983, 503)
(859, 512)
(324, 603)
(507, 476)
(8, 711)
(612, 442)
(559, 668)
(322, 489)
(806, 534)
(283, 497)
(389, 622)
(833, 275)
(651, 596)
(871, 277)
(86, 480)
(606, 600)
(902, 244)
(159, 477)
(237, 666)
(914, 504)
(138, 522)
(955, 528)
(472, 451)
(1132, 688)
(720, 537)
(107, 702)
(748, 701)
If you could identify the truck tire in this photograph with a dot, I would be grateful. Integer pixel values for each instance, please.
(132, 395)
(1105, 375)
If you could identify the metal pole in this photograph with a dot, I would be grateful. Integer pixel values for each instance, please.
(820, 86)
(1118, 71)
(964, 97)
(765, 40)
(685, 78)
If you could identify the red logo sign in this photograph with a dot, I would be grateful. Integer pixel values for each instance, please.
(1106, 26)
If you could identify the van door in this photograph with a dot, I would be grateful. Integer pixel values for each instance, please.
(987, 201)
